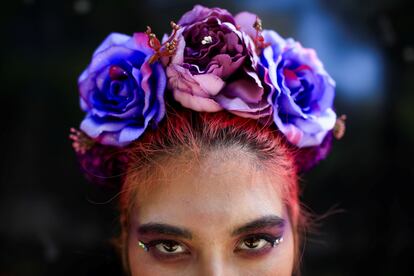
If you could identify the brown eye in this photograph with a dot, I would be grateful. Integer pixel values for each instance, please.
(254, 243)
(258, 242)
(169, 247)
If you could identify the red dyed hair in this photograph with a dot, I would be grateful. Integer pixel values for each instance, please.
(197, 133)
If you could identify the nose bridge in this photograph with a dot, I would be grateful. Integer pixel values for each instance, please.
(213, 263)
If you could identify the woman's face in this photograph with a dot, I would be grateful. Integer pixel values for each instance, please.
(220, 218)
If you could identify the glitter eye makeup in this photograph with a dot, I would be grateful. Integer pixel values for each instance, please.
(259, 241)
(257, 244)
(251, 244)
(260, 235)
(164, 249)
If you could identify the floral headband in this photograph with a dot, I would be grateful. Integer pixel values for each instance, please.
(212, 61)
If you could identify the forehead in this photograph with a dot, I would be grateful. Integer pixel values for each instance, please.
(213, 190)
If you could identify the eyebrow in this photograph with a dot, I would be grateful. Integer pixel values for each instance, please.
(260, 223)
(166, 229)
(170, 230)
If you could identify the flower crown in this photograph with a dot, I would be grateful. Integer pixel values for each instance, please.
(212, 61)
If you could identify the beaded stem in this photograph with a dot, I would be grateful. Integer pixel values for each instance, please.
(340, 127)
(259, 39)
(166, 49)
(80, 141)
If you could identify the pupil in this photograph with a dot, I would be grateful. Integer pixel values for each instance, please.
(252, 243)
(169, 247)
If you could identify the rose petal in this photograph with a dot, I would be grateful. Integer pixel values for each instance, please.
(314, 124)
(159, 75)
(226, 65)
(200, 13)
(108, 57)
(210, 83)
(287, 103)
(205, 85)
(93, 128)
(139, 42)
(313, 130)
(246, 20)
(277, 43)
(111, 40)
(246, 90)
(132, 132)
(178, 57)
(196, 103)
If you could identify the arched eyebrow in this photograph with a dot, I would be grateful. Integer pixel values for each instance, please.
(164, 229)
(260, 223)
(171, 230)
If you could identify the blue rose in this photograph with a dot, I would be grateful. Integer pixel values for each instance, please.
(304, 91)
(121, 92)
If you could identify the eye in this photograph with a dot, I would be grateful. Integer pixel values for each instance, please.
(169, 247)
(258, 242)
(254, 243)
(166, 247)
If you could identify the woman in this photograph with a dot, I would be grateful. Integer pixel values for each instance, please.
(205, 135)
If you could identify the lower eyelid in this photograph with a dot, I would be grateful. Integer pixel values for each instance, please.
(269, 238)
(256, 253)
(157, 253)
(170, 257)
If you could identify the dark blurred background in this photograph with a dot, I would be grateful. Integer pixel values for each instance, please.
(52, 222)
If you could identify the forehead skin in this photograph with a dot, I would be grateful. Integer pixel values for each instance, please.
(211, 200)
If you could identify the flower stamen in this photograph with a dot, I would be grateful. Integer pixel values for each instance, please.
(259, 39)
(166, 49)
(340, 127)
(80, 141)
(207, 40)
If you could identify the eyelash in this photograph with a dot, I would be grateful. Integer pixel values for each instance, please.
(268, 238)
(163, 255)
(271, 240)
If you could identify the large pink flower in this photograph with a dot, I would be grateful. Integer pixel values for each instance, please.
(215, 66)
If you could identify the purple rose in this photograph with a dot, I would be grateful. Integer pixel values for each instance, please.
(199, 13)
(121, 91)
(304, 91)
(214, 67)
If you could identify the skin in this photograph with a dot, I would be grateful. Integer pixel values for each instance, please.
(210, 201)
